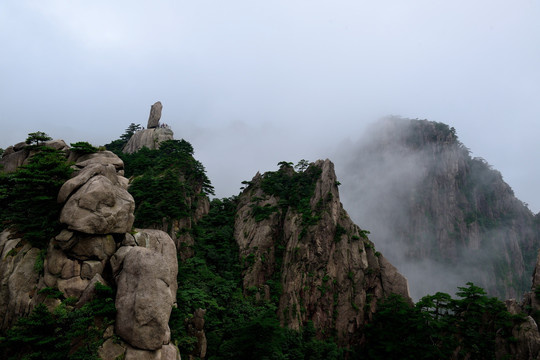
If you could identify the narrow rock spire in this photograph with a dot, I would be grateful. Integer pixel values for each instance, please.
(155, 115)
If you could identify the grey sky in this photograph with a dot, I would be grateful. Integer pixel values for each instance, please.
(252, 83)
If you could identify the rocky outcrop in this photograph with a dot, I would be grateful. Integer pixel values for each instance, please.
(18, 279)
(525, 333)
(96, 245)
(195, 328)
(155, 115)
(19, 154)
(329, 271)
(99, 207)
(146, 289)
(150, 138)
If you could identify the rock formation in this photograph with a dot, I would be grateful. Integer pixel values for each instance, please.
(97, 246)
(526, 335)
(155, 115)
(431, 207)
(195, 328)
(145, 275)
(150, 138)
(18, 154)
(329, 271)
(18, 279)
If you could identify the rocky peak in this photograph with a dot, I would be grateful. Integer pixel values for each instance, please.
(299, 246)
(153, 135)
(430, 205)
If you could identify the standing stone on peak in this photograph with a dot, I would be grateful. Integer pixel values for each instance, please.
(155, 115)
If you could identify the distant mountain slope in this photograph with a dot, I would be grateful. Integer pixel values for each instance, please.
(442, 217)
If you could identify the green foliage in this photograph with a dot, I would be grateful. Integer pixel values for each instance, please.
(40, 260)
(261, 213)
(537, 292)
(51, 292)
(340, 231)
(302, 165)
(364, 234)
(236, 326)
(117, 145)
(439, 326)
(65, 333)
(294, 189)
(159, 197)
(163, 181)
(28, 196)
(37, 137)
(83, 147)
(172, 154)
(262, 338)
(132, 129)
(211, 279)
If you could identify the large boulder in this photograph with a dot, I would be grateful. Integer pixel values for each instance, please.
(99, 207)
(144, 299)
(18, 279)
(155, 115)
(146, 288)
(107, 170)
(100, 157)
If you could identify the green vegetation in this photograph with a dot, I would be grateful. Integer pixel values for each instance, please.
(294, 189)
(83, 147)
(340, 231)
(65, 333)
(164, 181)
(261, 213)
(28, 196)
(240, 326)
(237, 326)
(36, 138)
(439, 326)
(116, 146)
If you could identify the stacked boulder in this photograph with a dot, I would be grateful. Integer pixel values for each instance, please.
(98, 244)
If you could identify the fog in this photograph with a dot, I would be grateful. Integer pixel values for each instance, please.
(415, 197)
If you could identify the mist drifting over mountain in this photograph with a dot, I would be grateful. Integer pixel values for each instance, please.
(441, 216)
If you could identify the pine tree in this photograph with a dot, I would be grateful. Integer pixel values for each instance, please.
(28, 196)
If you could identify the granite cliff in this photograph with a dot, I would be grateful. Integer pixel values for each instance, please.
(294, 235)
(440, 215)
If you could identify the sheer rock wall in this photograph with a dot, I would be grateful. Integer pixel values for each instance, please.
(329, 271)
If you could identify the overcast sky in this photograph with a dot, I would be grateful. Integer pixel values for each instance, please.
(252, 83)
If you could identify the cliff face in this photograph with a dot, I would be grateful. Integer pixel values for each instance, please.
(436, 211)
(299, 245)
